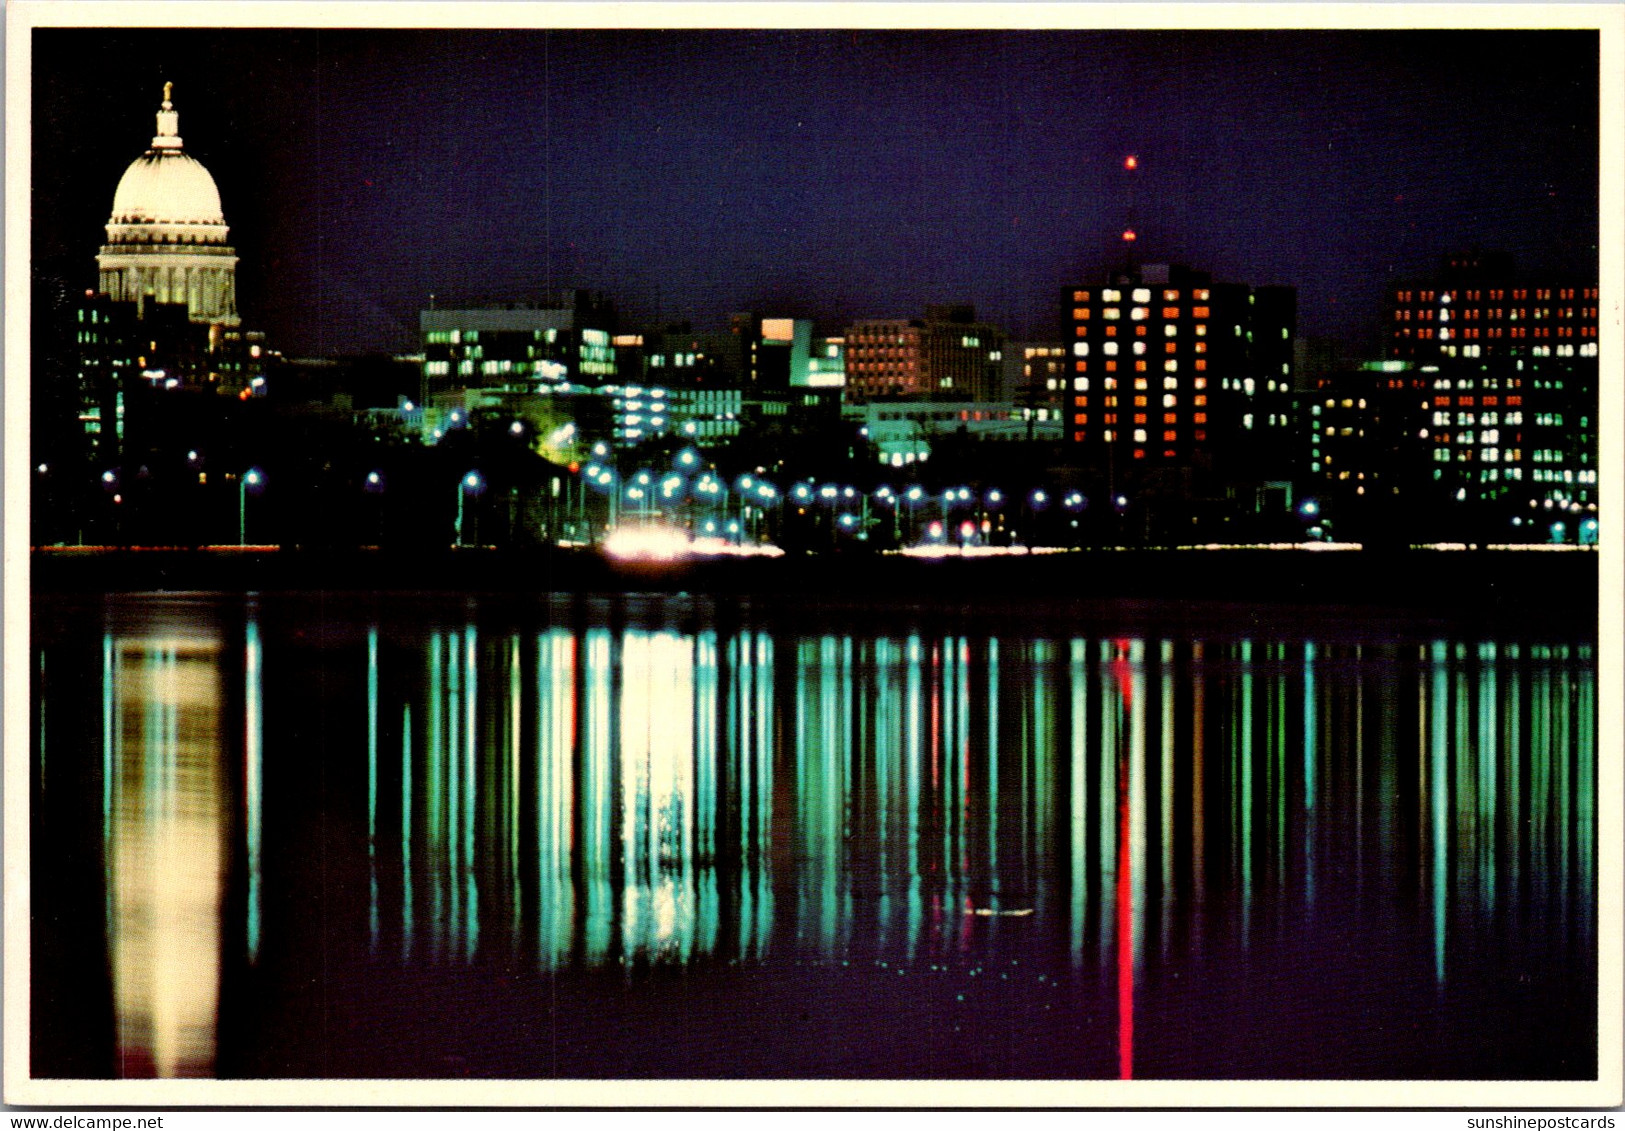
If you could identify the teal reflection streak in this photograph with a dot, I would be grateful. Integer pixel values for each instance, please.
(372, 781)
(407, 894)
(1079, 874)
(555, 797)
(1437, 791)
(1311, 732)
(253, 759)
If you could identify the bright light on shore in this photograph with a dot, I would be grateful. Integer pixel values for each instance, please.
(648, 544)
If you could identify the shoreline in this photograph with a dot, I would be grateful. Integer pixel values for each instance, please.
(1501, 587)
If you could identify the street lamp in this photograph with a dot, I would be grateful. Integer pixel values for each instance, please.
(254, 478)
(471, 484)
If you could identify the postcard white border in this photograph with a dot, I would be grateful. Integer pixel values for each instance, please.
(1606, 1092)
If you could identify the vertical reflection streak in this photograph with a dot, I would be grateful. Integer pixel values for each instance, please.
(1245, 755)
(407, 894)
(1311, 726)
(253, 759)
(1079, 796)
(1439, 789)
(1165, 816)
(372, 782)
(1198, 683)
(513, 809)
(434, 785)
(469, 876)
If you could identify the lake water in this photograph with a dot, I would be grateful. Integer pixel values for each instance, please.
(346, 836)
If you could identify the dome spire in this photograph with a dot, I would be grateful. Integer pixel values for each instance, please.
(168, 122)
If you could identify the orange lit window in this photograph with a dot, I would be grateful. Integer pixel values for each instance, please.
(1514, 402)
(1169, 437)
(1111, 367)
(1109, 418)
(1199, 435)
(1441, 402)
(1201, 347)
(1170, 347)
(1081, 418)
(1170, 312)
(1082, 331)
(1139, 453)
(1081, 314)
(1111, 331)
(1198, 312)
(1200, 418)
(1081, 402)
(1490, 402)
(1170, 418)
(1201, 363)
(1139, 367)
(1080, 296)
(1078, 436)
(1139, 418)
(1200, 400)
(1139, 402)
(1139, 331)
(1170, 296)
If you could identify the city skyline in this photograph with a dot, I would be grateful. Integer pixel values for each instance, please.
(829, 174)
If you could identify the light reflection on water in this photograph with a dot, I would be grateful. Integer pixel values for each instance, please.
(631, 795)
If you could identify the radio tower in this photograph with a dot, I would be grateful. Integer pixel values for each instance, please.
(1130, 164)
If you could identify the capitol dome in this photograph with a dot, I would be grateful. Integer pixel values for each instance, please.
(166, 236)
(167, 186)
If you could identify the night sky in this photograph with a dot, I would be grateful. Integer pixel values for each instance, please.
(824, 174)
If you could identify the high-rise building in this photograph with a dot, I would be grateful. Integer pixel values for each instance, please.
(946, 354)
(518, 346)
(1172, 368)
(1501, 368)
(166, 236)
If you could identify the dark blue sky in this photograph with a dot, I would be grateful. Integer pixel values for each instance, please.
(827, 174)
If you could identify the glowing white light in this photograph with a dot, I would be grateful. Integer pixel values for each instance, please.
(654, 543)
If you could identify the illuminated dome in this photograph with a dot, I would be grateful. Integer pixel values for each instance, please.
(169, 187)
(166, 237)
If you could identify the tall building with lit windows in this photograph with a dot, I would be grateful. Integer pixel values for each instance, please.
(1502, 367)
(518, 346)
(947, 354)
(1170, 368)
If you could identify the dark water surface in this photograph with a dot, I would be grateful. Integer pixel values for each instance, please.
(298, 836)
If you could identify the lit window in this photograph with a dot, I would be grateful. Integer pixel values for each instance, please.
(1139, 347)
(1142, 294)
(1081, 384)
(1169, 400)
(1170, 366)
(1111, 295)
(1109, 349)
(1170, 331)
(1081, 349)
(1138, 313)
(1139, 435)
(1111, 314)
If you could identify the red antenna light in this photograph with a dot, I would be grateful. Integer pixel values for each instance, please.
(1128, 237)
(1131, 162)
